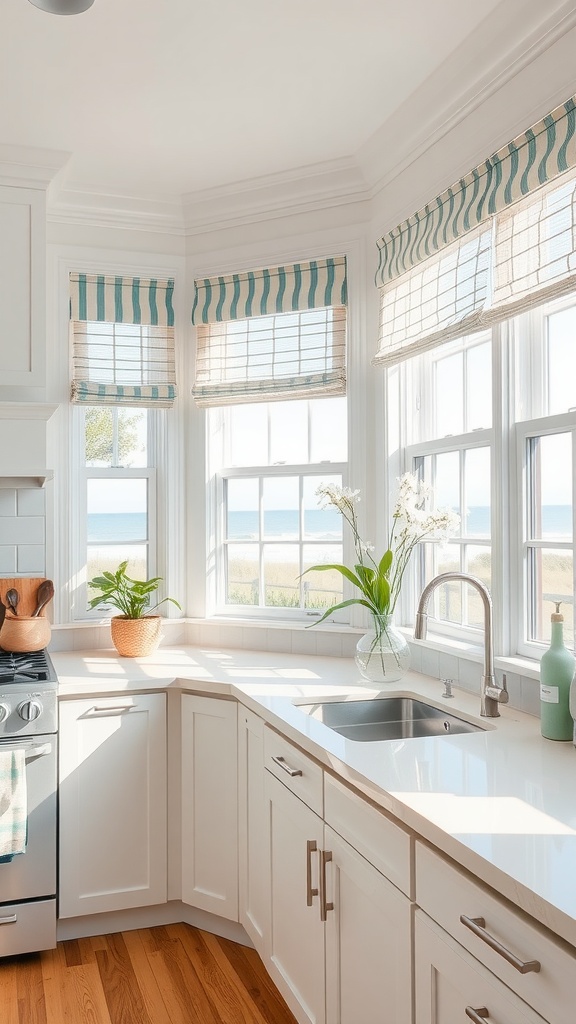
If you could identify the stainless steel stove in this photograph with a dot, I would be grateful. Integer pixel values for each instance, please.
(29, 721)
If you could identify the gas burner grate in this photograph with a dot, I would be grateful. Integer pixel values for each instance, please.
(33, 666)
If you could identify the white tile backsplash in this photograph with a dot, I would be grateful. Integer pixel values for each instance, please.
(22, 531)
(30, 559)
(8, 559)
(30, 501)
(7, 501)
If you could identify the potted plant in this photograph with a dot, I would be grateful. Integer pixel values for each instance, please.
(135, 632)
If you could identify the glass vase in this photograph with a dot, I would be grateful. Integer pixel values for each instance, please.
(382, 654)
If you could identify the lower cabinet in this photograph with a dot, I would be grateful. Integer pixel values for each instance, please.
(452, 987)
(252, 828)
(210, 805)
(339, 944)
(112, 793)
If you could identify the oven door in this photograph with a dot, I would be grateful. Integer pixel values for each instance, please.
(33, 873)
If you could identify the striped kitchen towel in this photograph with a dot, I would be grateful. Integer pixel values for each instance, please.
(13, 803)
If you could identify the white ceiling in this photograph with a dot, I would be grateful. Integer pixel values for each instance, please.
(158, 98)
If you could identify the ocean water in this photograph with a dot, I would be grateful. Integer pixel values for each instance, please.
(319, 524)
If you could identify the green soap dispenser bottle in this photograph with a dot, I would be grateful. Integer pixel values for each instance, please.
(556, 674)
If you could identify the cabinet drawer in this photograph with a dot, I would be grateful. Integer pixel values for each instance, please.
(451, 987)
(27, 927)
(294, 769)
(446, 893)
(370, 832)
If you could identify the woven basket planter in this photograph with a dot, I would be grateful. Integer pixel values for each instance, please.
(25, 633)
(135, 638)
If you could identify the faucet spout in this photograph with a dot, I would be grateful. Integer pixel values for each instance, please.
(491, 695)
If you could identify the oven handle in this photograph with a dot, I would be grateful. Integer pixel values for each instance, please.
(33, 750)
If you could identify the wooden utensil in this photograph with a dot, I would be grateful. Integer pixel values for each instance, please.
(44, 594)
(12, 598)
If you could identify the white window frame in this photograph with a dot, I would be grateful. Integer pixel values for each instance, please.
(562, 423)
(217, 427)
(80, 474)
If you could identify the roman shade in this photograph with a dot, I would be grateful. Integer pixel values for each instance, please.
(122, 341)
(271, 334)
(498, 242)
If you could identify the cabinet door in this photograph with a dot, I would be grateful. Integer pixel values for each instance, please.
(112, 803)
(451, 986)
(296, 934)
(368, 946)
(22, 290)
(252, 827)
(210, 805)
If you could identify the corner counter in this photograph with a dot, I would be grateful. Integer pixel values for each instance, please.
(499, 802)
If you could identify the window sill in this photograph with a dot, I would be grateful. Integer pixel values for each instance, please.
(528, 667)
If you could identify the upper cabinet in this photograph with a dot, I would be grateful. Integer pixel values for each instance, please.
(22, 292)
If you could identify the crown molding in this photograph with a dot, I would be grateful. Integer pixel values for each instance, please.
(303, 190)
(93, 207)
(26, 411)
(29, 167)
(425, 118)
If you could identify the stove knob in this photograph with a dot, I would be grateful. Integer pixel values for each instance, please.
(4, 712)
(29, 710)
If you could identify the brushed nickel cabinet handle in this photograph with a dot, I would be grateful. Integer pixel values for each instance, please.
(100, 709)
(311, 847)
(325, 857)
(9, 920)
(292, 772)
(477, 925)
(478, 1015)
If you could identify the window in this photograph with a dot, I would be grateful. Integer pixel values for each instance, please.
(546, 453)
(448, 396)
(269, 528)
(271, 369)
(116, 496)
(513, 484)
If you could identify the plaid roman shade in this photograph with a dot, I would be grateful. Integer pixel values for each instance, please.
(500, 241)
(271, 334)
(123, 341)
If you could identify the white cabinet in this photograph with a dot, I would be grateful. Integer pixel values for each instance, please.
(295, 956)
(112, 803)
(368, 946)
(498, 936)
(210, 805)
(252, 831)
(452, 987)
(22, 289)
(339, 946)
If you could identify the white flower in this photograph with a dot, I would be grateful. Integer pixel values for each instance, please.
(342, 498)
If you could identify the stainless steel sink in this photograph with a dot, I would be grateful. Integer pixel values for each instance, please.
(387, 718)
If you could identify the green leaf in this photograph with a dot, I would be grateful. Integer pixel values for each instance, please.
(339, 568)
(381, 591)
(343, 604)
(366, 574)
(385, 563)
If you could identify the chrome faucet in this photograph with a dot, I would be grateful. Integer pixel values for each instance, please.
(490, 693)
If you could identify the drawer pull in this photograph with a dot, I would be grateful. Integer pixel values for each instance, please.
(9, 920)
(325, 856)
(292, 772)
(311, 847)
(111, 709)
(479, 1015)
(478, 926)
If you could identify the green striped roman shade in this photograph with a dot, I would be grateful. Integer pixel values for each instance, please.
(497, 242)
(123, 340)
(271, 334)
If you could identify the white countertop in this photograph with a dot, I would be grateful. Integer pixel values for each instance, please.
(501, 802)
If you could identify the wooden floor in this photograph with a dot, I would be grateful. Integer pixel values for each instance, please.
(174, 974)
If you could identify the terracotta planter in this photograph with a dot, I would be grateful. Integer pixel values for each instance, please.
(25, 633)
(135, 638)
